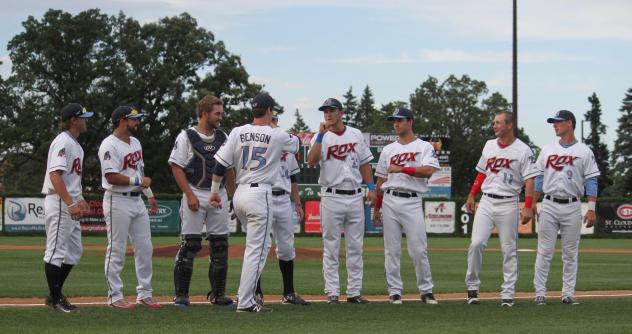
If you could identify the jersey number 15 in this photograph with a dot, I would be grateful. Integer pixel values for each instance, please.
(257, 156)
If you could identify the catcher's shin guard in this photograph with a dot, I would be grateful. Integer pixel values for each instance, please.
(191, 244)
(218, 265)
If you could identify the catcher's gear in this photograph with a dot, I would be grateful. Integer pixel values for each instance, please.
(218, 269)
(190, 246)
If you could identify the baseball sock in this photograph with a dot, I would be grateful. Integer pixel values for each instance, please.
(65, 270)
(287, 271)
(53, 277)
(258, 291)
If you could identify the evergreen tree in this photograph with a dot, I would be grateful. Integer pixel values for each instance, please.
(597, 129)
(366, 109)
(350, 105)
(622, 153)
(299, 124)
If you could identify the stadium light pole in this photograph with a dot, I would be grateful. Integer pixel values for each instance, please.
(514, 97)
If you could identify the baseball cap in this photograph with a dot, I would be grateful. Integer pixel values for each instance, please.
(562, 115)
(125, 112)
(263, 100)
(331, 103)
(74, 110)
(401, 113)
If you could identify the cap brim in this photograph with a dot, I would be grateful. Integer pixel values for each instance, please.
(391, 118)
(322, 108)
(555, 119)
(86, 114)
(135, 116)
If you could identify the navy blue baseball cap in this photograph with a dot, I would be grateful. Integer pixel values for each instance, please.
(563, 115)
(263, 100)
(125, 112)
(331, 103)
(401, 113)
(74, 110)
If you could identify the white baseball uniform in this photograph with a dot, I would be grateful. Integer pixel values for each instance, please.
(282, 225)
(255, 153)
(63, 234)
(215, 219)
(565, 169)
(507, 169)
(342, 206)
(402, 211)
(125, 216)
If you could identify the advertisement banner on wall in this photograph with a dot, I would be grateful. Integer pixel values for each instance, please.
(614, 217)
(24, 214)
(440, 216)
(369, 226)
(312, 217)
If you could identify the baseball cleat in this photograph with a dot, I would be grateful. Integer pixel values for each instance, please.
(63, 305)
(48, 301)
(221, 301)
(181, 301)
(293, 298)
(123, 304)
(259, 298)
(540, 300)
(256, 308)
(149, 302)
(429, 298)
(333, 300)
(395, 299)
(507, 303)
(570, 300)
(357, 300)
(472, 297)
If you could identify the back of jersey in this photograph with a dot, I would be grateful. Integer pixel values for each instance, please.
(255, 152)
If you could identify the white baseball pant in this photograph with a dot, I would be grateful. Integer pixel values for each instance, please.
(63, 234)
(283, 227)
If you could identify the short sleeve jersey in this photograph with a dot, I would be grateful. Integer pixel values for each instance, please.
(66, 155)
(566, 168)
(117, 156)
(417, 153)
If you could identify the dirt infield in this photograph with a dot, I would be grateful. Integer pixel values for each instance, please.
(276, 299)
(237, 251)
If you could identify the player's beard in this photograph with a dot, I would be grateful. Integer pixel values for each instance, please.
(210, 124)
(132, 129)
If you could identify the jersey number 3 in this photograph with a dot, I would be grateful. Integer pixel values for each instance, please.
(257, 155)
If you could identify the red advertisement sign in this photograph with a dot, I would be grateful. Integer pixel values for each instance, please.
(312, 217)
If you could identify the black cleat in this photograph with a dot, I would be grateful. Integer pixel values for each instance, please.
(472, 297)
(333, 300)
(429, 298)
(293, 298)
(63, 305)
(256, 308)
(507, 303)
(221, 301)
(357, 300)
(181, 301)
(540, 300)
(395, 299)
(570, 301)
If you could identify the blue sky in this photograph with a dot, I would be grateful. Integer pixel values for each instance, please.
(304, 51)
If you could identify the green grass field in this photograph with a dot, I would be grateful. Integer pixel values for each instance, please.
(22, 276)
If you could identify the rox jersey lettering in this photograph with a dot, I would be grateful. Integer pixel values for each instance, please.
(341, 157)
(417, 153)
(289, 166)
(506, 168)
(566, 168)
(255, 152)
(117, 156)
(64, 154)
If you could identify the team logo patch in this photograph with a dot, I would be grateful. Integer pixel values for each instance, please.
(495, 164)
(132, 159)
(557, 162)
(624, 211)
(340, 152)
(107, 156)
(62, 152)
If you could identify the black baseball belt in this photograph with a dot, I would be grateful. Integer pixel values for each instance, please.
(561, 200)
(130, 194)
(279, 192)
(402, 194)
(497, 196)
(343, 192)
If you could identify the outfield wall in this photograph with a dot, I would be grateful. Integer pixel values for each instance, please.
(25, 215)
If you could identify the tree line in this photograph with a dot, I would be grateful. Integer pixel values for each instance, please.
(164, 67)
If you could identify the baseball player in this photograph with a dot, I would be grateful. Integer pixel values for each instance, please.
(285, 191)
(402, 170)
(344, 159)
(123, 178)
(64, 204)
(568, 171)
(504, 167)
(254, 150)
(192, 163)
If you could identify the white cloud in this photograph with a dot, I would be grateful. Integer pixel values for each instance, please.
(460, 56)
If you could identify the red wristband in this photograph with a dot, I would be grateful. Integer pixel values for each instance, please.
(528, 202)
(409, 170)
(378, 202)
